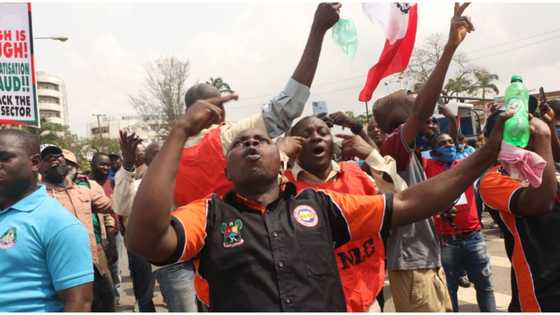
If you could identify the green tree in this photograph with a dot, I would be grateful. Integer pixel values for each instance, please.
(458, 86)
(220, 84)
(161, 102)
(56, 134)
(484, 82)
(425, 58)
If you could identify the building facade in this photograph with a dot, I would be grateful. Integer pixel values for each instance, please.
(109, 126)
(51, 95)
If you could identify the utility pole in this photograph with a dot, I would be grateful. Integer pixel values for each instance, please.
(98, 116)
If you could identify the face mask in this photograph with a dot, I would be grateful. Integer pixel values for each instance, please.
(446, 154)
(56, 174)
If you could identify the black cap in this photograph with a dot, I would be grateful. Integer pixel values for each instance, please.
(51, 149)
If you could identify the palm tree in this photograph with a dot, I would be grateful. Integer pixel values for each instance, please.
(220, 84)
(457, 86)
(484, 82)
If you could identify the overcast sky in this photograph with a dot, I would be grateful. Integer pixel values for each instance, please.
(255, 47)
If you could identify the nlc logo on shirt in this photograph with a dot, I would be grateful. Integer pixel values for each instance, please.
(8, 239)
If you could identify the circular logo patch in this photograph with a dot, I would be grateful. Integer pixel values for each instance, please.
(306, 216)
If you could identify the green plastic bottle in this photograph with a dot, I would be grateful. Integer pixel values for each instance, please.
(516, 129)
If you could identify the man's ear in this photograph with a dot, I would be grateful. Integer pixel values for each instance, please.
(35, 163)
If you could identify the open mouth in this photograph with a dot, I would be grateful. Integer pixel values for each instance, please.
(318, 151)
(252, 154)
(253, 157)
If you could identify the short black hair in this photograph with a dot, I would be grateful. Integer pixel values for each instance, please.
(197, 92)
(491, 122)
(28, 141)
(97, 156)
(460, 137)
(555, 105)
(114, 157)
(472, 143)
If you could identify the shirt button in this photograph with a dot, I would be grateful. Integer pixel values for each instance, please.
(288, 301)
(275, 234)
(281, 264)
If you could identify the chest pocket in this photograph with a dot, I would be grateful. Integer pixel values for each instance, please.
(82, 208)
(317, 248)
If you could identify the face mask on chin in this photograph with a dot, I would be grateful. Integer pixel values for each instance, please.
(56, 174)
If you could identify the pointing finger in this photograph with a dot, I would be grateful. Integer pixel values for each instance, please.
(218, 100)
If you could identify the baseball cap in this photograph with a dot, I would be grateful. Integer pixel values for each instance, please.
(69, 156)
(50, 149)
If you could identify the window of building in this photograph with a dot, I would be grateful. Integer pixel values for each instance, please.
(50, 113)
(48, 99)
(47, 86)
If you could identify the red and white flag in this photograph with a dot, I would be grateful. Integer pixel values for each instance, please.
(399, 23)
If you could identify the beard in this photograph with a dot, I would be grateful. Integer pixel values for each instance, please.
(16, 188)
(56, 174)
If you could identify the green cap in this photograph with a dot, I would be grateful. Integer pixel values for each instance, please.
(516, 78)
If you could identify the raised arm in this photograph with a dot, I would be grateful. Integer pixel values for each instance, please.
(427, 98)
(452, 119)
(125, 190)
(326, 16)
(149, 232)
(534, 201)
(423, 200)
(549, 117)
(281, 111)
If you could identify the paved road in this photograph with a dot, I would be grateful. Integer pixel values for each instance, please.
(467, 297)
(500, 274)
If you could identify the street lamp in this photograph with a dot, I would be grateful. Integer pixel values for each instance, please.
(58, 38)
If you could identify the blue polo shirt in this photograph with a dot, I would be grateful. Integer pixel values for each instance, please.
(43, 249)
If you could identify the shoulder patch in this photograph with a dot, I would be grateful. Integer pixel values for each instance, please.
(306, 216)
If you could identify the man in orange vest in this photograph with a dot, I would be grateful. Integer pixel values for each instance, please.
(262, 247)
(201, 169)
(361, 263)
(202, 162)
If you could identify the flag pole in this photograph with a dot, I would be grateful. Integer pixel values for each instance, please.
(367, 113)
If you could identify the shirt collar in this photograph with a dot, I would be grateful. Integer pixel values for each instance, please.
(286, 190)
(298, 171)
(31, 201)
(68, 184)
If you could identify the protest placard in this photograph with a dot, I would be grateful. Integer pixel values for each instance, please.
(18, 100)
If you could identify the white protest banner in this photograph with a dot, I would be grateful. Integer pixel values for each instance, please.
(18, 99)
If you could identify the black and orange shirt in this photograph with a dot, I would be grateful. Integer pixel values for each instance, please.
(532, 244)
(279, 257)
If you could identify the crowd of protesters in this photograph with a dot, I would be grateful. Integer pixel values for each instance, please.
(276, 213)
